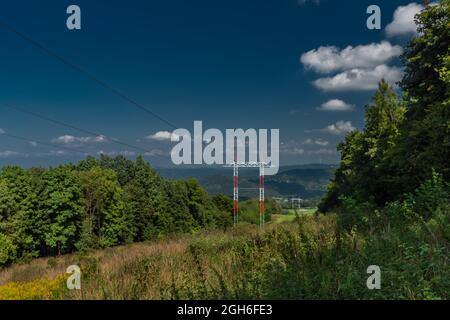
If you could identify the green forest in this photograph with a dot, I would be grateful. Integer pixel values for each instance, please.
(100, 203)
(388, 204)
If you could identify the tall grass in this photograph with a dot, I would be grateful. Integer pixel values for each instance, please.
(310, 258)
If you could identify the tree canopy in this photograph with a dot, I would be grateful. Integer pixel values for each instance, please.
(97, 203)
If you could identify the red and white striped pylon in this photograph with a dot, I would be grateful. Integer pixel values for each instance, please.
(235, 192)
(261, 195)
(236, 165)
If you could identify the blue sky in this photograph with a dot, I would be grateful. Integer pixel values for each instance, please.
(231, 64)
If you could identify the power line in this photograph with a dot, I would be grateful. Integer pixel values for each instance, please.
(84, 72)
(89, 132)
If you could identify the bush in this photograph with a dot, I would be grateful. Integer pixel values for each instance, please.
(429, 196)
(8, 250)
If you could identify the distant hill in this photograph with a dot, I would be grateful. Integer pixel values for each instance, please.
(304, 181)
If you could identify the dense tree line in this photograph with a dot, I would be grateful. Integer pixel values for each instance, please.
(403, 153)
(98, 203)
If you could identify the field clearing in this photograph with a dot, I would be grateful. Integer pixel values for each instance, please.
(303, 211)
(282, 218)
(306, 259)
(290, 216)
(108, 259)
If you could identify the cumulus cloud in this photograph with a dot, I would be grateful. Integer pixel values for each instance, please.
(403, 20)
(2, 131)
(160, 136)
(68, 139)
(328, 59)
(339, 128)
(319, 142)
(359, 79)
(336, 105)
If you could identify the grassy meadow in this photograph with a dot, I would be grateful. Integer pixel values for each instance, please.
(308, 257)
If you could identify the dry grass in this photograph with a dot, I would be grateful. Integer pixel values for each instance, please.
(110, 259)
(147, 270)
(307, 259)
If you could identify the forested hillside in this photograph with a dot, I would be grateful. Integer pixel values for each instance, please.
(97, 204)
(304, 181)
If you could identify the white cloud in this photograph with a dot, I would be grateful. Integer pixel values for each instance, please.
(330, 58)
(161, 136)
(339, 128)
(359, 79)
(155, 152)
(33, 143)
(56, 153)
(293, 151)
(2, 131)
(319, 142)
(403, 20)
(336, 105)
(68, 139)
(11, 154)
(51, 153)
(322, 151)
(294, 147)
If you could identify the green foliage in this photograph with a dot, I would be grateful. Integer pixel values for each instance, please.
(145, 201)
(362, 174)
(400, 146)
(425, 140)
(429, 196)
(59, 210)
(8, 250)
(249, 210)
(310, 259)
(224, 206)
(97, 204)
(393, 181)
(17, 217)
(124, 168)
(104, 206)
(200, 205)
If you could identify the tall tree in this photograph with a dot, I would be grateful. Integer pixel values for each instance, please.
(60, 207)
(362, 174)
(19, 201)
(425, 141)
(104, 206)
(145, 199)
(123, 167)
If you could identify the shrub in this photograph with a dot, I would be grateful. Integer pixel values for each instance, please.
(8, 250)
